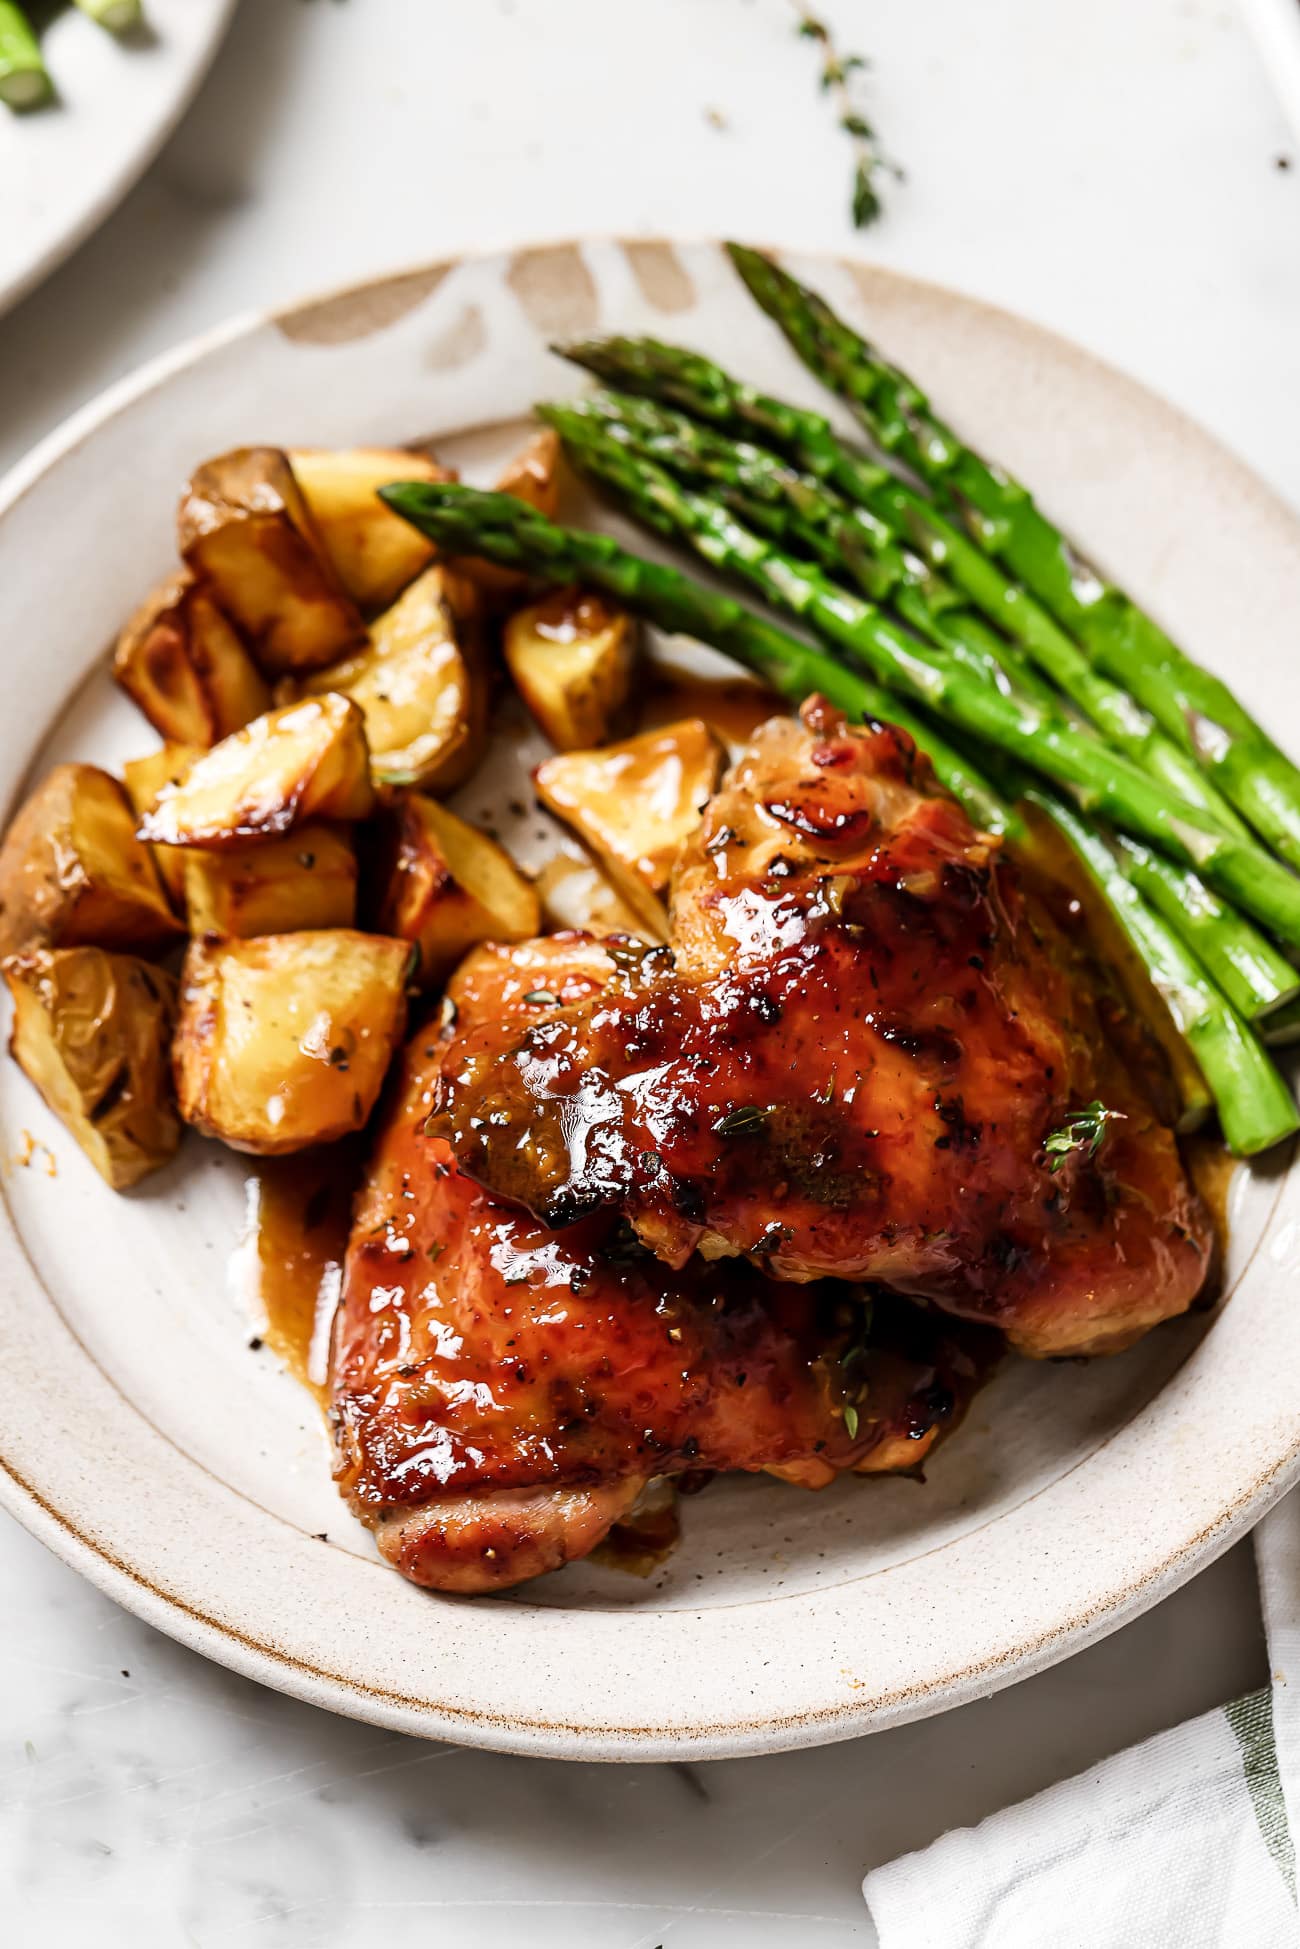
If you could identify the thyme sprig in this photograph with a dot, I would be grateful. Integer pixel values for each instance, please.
(1083, 1131)
(855, 1389)
(838, 81)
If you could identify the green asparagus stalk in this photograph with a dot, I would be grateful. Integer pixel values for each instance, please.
(847, 540)
(1195, 708)
(774, 496)
(1252, 974)
(119, 16)
(1256, 1108)
(24, 81)
(466, 521)
(1106, 782)
(926, 537)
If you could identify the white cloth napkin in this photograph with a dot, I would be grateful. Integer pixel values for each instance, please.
(1186, 1842)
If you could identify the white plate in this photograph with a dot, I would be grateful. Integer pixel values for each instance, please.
(188, 1476)
(63, 168)
(1276, 26)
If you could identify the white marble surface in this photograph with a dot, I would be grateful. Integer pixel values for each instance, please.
(1110, 170)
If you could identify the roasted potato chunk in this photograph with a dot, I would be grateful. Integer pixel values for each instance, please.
(144, 779)
(284, 886)
(421, 686)
(305, 761)
(373, 551)
(245, 529)
(533, 475)
(180, 659)
(573, 657)
(73, 873)
(283, 1041)
(93, 1031)
(634, 803)
(452, 887)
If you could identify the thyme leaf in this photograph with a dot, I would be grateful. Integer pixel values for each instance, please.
(1083, 1131)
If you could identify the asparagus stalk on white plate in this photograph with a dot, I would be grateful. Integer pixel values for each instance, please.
(24, 81)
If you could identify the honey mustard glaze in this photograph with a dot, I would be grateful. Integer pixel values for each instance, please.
(300, 1212)
(733, 706)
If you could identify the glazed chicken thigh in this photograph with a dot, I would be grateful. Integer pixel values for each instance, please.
(848, 1063)
(501, 1391)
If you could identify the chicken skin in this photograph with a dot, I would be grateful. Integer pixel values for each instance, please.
(501, 1392)
(858, 1058)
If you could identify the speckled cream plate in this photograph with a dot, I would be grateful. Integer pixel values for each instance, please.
(187, 1475)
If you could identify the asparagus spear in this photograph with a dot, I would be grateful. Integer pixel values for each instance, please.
(466, 521)
(1256, 1108)
(928, 539)
(922, 597)
(24, 81)
(1252, 974)
(1195, 708)
(1106, 782)
(772, 495)
(119, 16)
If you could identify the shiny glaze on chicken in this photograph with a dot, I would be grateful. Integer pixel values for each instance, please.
(501, 1391)
(847, 1063)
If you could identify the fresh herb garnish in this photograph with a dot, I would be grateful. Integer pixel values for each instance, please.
(746, 1121)
(543, 997)
(850, 1421)
(837, 81)
(1083, 1131)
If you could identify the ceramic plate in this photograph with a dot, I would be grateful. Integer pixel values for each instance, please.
(186, 1474)
(65, 167)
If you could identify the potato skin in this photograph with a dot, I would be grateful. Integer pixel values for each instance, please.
(73, 873)
(305, 761)
(181, 660)
(450, 887)
(284, 1041)
(573, 657)
(244, 528)
(305, 881)
(374, 553)
(632, 804)
(93, 1032)
(422, 685)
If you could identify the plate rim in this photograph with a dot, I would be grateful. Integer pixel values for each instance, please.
(266, 1663)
